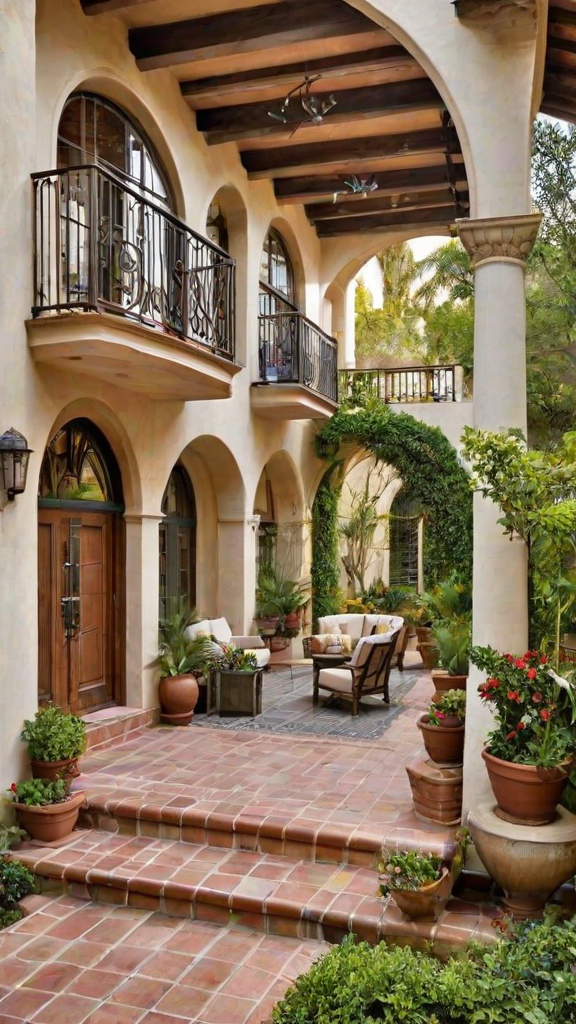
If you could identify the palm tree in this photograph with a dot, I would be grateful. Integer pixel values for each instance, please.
(446, 269)
(392, 334)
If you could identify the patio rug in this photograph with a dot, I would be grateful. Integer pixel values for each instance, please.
(287, 708)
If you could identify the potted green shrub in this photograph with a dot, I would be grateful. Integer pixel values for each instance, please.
(46, 808)
(238, 683)
(279, 601)
(443, 728)
(420, 883)
(55, 741)
(16, 882)
(453, 644)
(179, 658)
(530, 751)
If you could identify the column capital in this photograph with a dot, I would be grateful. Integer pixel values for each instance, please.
(499, 239)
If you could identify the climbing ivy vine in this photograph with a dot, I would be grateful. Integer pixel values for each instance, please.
(431, 474)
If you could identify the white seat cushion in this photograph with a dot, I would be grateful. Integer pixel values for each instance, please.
(221, 630)
(262, 655)
(337, 679)
(201, 628)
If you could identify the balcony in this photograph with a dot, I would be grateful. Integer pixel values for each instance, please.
(127, 293)
(404, 384)
(298, 364)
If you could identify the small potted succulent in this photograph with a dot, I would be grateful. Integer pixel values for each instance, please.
(55, 741)
(46, 808)
(530, 751)
(180, 658)
(238, 683)
(421, 883)
(16, 882)
(443, 728)
(453, 644)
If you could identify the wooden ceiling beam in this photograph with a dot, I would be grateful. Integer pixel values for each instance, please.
(403, 221)
(560, 16)
(305, 189)
(244, 30)
(262, 163)
(252, 120)
(384, 204)
(106, 6)
(219, 86)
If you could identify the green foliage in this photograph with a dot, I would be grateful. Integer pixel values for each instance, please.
(53, 735)
(40, 792)
(409, 870)
(16, 882)
(326, 594)
(276, 594)
(450, 704)
(393, 331)
(180, 655)
(448, 601)
(388, 600)
(527, 975)
(234, 659)
(431, 474)
(8, 917)
(359, 529)
(453, 643)
(10, 835)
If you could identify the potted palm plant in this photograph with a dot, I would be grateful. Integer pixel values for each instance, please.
(443, 728)
(238, 683)
(55, 741)
(420, 883)
(46, 808)
(530, 751)
(452, 642)
(180, 658)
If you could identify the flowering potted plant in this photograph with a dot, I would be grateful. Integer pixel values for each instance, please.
(46, 808)
(420, 883)
(238, 683)
(443, 728)
(530, 751)
(55, 741)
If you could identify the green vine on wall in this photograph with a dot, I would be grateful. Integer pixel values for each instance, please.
(432, 477)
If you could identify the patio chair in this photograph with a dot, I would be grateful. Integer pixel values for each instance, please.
(367, 673)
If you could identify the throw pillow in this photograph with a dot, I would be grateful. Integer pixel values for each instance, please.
(381, 629)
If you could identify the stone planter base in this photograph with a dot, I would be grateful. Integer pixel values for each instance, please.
(436, 792)
(528, 862)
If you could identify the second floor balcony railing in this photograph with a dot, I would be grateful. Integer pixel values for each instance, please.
(409, 384)
(294, 350)
(102, 245)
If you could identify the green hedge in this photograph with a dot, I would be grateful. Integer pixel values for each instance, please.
(526, 977)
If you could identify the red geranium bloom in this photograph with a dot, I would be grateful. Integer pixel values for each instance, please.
(545, 714)
(528, 655)
(537, 698)
(531, 673)
(520, 663)
(509, 658)
(543, 660)
(440, 714)
(493, 684)
(13, 787)
(513, 695)
(520, 726)
(511, 735)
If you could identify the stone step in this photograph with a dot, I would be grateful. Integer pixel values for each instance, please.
(180, 819)
(115, 726)
(261, 891)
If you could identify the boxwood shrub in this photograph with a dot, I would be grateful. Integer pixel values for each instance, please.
(526, 976)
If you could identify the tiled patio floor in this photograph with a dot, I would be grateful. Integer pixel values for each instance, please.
(73, 962)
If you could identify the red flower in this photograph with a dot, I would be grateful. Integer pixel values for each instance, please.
(509, 658)
(545, 714)
(13, 787)
(511, 735)
(531, 673)
(513, 695)
(493, 684)
(520, 726)
(440, 714)
(543, 660)
(537, 698)
(520, 663)
(528, 655)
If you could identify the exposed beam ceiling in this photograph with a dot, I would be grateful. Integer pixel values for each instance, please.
(559, 94)
(404, 220)
(383, 204)
(303, 189)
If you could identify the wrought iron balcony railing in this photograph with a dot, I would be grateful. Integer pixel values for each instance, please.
(413, 384)
(293, 350)
(101, 245)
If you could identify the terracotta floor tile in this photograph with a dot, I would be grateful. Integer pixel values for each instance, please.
(142, 992)
(248, 982)
(24, 1003)
(224, 1009)
(45, 947)
(83, 953)
(95, 984)
(65, 1009)
(123, 959)
(165, 965)
(53, 977)
(184, 1001)
(112, 1013)
(208, 974)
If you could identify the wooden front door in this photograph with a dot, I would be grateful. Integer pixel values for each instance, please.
(77, 570)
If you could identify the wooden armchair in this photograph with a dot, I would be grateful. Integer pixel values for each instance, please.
(367, 673)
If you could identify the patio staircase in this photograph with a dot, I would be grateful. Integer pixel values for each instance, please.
(263, 873)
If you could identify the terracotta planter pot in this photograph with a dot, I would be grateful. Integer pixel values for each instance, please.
(444, 744)
(436, 792)
(50, 823)
(525, 795)
(279, 643)
(529, 864)
(269, 624)
(424, 634)
(67, 769)
(178, 697)
(293, 621)
(426, 903)
(429, 655)
(444, 682)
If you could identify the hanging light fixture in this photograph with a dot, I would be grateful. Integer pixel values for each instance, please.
(14, 456)
(357, 187)
(315, 107)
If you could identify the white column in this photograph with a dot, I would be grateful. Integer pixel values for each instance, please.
(142, 587)
(499, 248)
(237, 573)
(349, 347)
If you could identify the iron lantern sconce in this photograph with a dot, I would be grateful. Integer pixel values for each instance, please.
(14, 456)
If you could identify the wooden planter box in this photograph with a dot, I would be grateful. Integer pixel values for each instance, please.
(239, 693)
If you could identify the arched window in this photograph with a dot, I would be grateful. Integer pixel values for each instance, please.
(217, 227)
(276, 269)
(404, 520)
(93, 130)
(79, 466)
(178, 543)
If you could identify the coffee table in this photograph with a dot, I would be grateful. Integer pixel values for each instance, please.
(320, 661)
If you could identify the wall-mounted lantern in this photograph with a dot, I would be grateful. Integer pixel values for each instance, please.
(14, 456)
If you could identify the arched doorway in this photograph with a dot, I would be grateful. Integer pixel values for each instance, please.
(177, 543)
(80, 570)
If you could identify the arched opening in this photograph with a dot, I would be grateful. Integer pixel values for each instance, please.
(177, 543)
(280, 505)
(80, 570)
(404, 542)
(227, 227)
(278, 333)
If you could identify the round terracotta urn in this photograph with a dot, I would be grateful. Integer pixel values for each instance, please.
(178, 697)
(525, 794)
(51, 822)
(529, 863)
(426, 903)
(444, 743)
